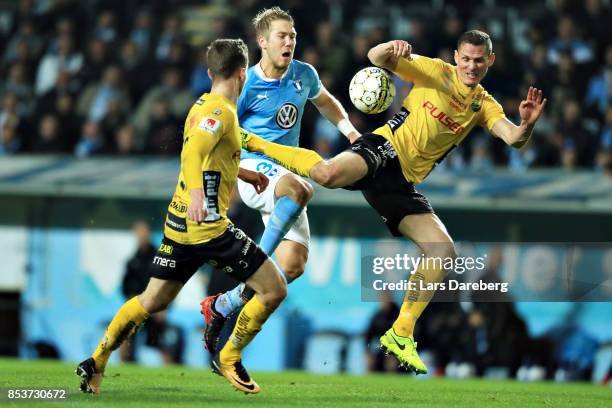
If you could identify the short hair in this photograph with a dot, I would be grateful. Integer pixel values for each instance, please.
(224, 56)
(265, 17)
(476, 37)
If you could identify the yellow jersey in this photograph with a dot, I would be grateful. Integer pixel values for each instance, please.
(210, 157)
(442, 111)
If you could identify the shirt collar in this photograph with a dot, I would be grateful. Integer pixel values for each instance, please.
(260, 73)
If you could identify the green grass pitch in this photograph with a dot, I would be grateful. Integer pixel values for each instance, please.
(175, 387)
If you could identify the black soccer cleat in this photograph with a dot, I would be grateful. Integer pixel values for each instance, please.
(214, 323)
(90, 379)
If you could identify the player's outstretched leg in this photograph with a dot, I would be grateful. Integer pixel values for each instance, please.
(428, 232)
(271, 289)
(294, 193)
(341, 171)
(127, 320)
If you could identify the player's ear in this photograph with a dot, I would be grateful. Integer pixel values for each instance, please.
(456, 56)
(261, 41)
(209, 74)
(491, 59)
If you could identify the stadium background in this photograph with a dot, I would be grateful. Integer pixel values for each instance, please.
(93, 95)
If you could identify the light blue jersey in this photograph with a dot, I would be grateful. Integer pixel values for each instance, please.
(273, 108)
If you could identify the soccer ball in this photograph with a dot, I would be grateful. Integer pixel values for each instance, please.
(372, 90)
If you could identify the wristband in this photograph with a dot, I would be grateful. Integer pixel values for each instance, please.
(346, 127)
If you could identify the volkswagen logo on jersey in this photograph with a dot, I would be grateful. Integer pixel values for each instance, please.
(287, 115)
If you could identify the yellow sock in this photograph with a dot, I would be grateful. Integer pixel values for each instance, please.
(251, 318)
(416, 300)
(296, 159)
(125, 323)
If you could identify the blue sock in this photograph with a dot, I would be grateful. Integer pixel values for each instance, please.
(285, 214)
(229, 301)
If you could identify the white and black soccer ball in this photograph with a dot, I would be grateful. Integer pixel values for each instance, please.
(372, 90)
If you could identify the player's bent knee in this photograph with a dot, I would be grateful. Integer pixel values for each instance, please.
(293, 273)
(441, 250)
(326, 174)
(294, 187)
(303, 192)
(447, 250)
(308, 191)
(273, 297)
(153, 304)
(278, 295)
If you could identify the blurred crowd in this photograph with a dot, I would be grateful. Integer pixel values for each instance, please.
(117, 77)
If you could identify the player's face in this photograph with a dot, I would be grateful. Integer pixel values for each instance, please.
(472, 61)
(278, 46)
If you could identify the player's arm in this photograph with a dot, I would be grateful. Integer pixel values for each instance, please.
(387, 55)
(332, 110)
(530, 110)
(199, 143)
(397, 57)
(258, 180)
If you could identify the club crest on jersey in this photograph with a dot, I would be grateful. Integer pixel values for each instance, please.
(298, 85)
(286, 116)
(209, 124)
(476, 103)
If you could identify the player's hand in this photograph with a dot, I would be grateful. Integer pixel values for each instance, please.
(400, 48)
(197, 211)
(259, 181)
(531, 108)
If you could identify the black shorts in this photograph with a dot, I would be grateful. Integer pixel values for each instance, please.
(384, 187)
(232, 252)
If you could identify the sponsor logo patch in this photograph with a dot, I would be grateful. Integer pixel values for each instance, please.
(180, 207)
(176, 223)
(477, 102)
(245, 247)
(442, 117)
(209, 124)
(164, 262)
(286, 116)
(166, 249)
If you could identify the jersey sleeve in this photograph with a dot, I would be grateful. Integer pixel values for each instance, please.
(242, 104)
(492, 111)
(315, 82)
(418, 70)
(204, 130)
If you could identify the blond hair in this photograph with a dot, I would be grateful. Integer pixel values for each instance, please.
(265, 17)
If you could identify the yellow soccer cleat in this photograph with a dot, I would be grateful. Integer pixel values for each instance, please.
(237, 375)
(404, 349)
